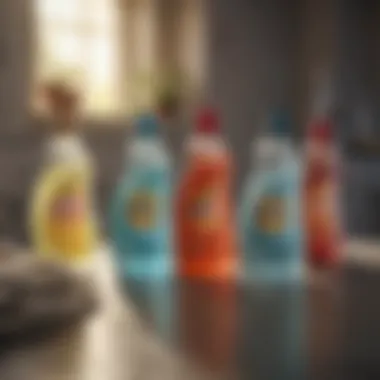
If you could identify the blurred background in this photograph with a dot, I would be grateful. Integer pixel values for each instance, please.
(243, 56)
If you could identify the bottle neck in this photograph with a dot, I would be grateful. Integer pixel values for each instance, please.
(66, 148)
(206, 144)
(270, 147)
(149, 150)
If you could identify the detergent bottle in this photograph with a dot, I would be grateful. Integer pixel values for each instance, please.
(61, 214)
(322, 217)
(140, 213)
(205, 227)
(271, 222)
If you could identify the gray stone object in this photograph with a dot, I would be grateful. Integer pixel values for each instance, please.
(37, 295)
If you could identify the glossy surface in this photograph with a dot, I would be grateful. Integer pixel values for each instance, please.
(140, 213)
(271, 224)
(322, 211)
(61, 213)
(204, 221)
(187, 330)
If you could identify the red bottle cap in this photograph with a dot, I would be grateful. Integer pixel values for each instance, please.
(207, 121)
(321, 130)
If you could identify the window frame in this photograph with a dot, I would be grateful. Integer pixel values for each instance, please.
(88, 118)
(125, 39)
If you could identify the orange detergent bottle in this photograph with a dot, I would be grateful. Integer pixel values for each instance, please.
(204, 220)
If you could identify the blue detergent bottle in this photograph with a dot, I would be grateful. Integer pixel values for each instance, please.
(271, 227)
(140, 215)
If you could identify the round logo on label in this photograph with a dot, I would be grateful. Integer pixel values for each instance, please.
(271, 214)
(204, 211)
(142, 210)
(68, 203)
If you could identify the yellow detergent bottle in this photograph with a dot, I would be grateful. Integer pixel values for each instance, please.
(62, 221)
(61, 215)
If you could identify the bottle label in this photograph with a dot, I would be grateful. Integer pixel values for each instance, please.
(68, 206)
(322, 213)
(68, 230)
(204, 213)
(141, 210)
(275, 232)
(271, 215)
(206, 221)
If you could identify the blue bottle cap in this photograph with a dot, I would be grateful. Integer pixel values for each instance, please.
(146, 125)
(280, 123)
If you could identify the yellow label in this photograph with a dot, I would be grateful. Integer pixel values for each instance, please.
(68, 204)
(271, 214)
(141, 210)
(60, 215)
(67, 228)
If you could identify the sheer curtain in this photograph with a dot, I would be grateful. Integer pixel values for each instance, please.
(112, 49)
(77, 40)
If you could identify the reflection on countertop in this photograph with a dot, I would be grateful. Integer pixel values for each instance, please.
(187, 329)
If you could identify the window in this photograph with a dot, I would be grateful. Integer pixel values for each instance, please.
(78, 40)
(119, 51)
(142, 53)
(193, 45)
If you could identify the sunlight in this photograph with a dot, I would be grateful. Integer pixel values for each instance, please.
(83, 45)
(58, 10)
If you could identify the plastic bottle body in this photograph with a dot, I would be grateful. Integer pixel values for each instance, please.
(271, 215)
(322, 217)
(205, 234)
(62, 220)
(140, 215)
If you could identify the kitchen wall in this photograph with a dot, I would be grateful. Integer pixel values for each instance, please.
(358, 93)
(261, 52)
(266, 53)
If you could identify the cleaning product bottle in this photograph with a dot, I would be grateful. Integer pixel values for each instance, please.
(205, 228)
(140, 213)
(324, 238)
(270, 211)
(62, 220)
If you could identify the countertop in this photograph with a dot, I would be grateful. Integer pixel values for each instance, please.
(326, 329)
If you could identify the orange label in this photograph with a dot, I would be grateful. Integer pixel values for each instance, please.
(205, 239)
(204, 211)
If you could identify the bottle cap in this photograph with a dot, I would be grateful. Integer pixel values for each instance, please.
(208, 121)
(146, 125)
(321, 130)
